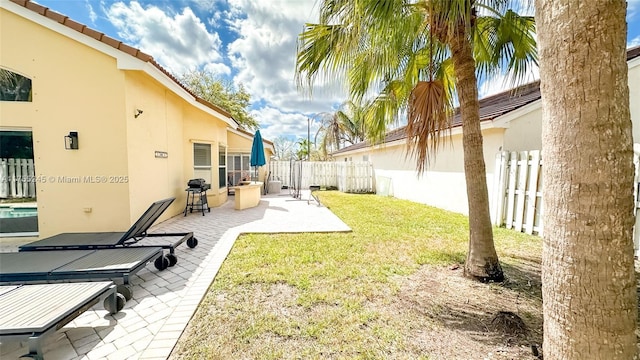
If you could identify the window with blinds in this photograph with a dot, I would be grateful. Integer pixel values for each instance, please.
(222, 166)
(202, 162)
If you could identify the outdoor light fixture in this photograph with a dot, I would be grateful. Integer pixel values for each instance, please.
(138, 113)
(71, 141)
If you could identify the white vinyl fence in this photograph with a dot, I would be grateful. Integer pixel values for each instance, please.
(517, 191)
(348, 176)
(17, 178)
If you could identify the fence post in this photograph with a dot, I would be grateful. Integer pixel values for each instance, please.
(4, 179)
(499, 187)
(24, 178)
(523, 164)
(540, 222)
(513, 172)
(12, 178)
(532, 192)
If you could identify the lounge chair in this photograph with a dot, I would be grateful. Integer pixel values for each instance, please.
(109, 240)
(78, 265)
(34, 311)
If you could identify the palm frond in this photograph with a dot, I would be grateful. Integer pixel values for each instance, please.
(322, 49)
(383, 110)
(506, 43)
(428, 117)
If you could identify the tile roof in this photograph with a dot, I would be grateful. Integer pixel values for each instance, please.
(491, 107)
(633, 53)
(137, 53)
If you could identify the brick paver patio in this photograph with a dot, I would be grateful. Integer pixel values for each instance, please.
(163, 301)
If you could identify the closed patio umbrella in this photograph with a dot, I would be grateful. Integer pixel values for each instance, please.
(257, 152)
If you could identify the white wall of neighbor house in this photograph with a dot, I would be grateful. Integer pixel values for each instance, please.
(634, 97)
(443, 185)
(524, 133)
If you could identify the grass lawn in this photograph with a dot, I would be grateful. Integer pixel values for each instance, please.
(391, 289)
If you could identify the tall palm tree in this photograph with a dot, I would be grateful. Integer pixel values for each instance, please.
(588, 280)
(421, 54)
(344, 127)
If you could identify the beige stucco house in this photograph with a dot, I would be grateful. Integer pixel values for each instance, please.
(239, 157)
(510, 121)
(140, 134)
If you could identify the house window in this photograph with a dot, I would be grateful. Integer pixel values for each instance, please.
(238, 168)
(222, 166)
(18, 184)
(365, 157)
(202, 162)
(14, 87)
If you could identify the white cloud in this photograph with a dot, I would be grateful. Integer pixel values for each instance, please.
(634, 42)
(632, 9)
(274, 122)
(205, 5)
(265, 53)
(179, 41)
(92, 14)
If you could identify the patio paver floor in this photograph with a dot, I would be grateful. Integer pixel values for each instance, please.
(163, 302)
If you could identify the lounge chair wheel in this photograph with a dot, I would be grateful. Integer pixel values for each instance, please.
(173, 259)
(120, 301)
(125, 290)
(193, 242)
(161, 263)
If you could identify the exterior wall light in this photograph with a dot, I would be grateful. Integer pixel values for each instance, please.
(137, 113)
(71, 141)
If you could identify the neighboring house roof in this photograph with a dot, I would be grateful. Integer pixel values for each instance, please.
(119, 45)
(491, 108)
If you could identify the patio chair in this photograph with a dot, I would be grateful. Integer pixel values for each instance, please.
(79, 265)
(109, 240)
(34, 311)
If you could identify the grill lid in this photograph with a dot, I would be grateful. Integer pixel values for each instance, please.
(196, 183)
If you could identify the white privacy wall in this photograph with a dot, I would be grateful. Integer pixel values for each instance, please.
(443, 184)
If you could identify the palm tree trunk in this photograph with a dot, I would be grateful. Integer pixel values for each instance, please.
(482, 261)
(588, 279)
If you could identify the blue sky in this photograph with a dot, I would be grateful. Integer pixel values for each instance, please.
(251, 42)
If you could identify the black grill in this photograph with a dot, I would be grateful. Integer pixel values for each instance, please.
(197, 187)
(198, 184)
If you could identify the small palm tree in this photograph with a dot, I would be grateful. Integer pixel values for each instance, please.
(421, 54)
(304, 148)
(328, 136)
(344, 127)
